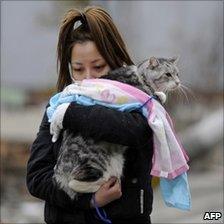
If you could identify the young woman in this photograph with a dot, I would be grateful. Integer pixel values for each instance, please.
(90, 44)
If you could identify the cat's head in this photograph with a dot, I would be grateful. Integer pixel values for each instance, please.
(161, 73)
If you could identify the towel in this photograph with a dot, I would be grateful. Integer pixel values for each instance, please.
(169, 160)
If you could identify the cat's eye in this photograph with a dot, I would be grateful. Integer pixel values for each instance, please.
(168, 74)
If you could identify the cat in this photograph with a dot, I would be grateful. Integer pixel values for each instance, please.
(155, 76)
(84, 165)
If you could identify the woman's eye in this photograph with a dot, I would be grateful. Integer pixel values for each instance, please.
(168, 74)
(99, 67)
(77, 69)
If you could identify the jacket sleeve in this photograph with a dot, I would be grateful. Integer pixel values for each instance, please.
(40, 169)
(102, 123)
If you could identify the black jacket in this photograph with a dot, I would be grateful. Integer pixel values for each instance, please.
(100, 123)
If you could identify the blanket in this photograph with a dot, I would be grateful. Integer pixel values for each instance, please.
(169, 157)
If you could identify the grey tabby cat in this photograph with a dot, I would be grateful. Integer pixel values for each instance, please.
(84, 165)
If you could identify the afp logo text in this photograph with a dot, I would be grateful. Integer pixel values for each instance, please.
(212, 215)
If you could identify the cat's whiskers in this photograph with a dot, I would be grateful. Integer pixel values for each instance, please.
(184, 93)
(186, 85)
(178, 93)
(188, 90)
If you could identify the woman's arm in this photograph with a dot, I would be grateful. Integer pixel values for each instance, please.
(102, 123)
(40, 169)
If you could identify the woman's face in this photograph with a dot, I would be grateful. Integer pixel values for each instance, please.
(86, 61)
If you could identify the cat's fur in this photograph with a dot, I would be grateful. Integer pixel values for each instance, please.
(84, 165)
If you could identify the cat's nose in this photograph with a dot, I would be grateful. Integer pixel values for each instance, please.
(177, 83)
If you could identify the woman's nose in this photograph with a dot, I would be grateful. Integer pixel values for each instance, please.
(90, 75)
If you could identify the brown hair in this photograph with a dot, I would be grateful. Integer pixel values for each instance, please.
(97, 26)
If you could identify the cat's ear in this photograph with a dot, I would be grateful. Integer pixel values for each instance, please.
(174, 59)
(153, 62)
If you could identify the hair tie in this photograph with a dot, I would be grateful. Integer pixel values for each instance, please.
(80, 21)
(77, 24)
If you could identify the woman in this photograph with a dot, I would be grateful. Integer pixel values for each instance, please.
(90, 45)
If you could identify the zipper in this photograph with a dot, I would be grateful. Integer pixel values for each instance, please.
(141, 201)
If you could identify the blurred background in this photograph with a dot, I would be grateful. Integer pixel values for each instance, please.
(191, 29)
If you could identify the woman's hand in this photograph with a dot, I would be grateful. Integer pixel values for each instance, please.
(109, 191)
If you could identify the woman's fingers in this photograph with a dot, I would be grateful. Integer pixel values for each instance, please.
(116, 189)
(113, 188)
(109, 191)
(110, 183)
